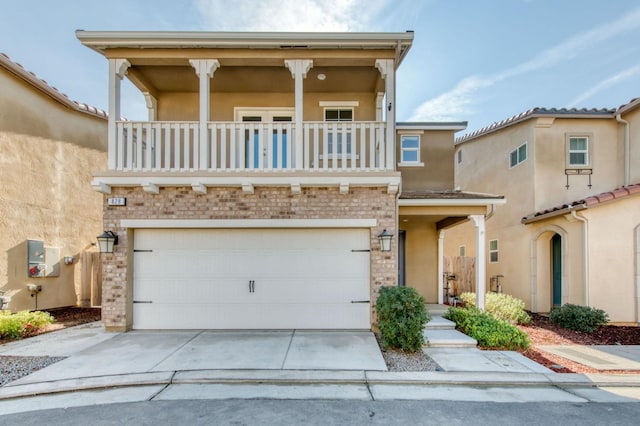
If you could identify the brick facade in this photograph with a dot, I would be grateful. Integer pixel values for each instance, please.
(232, 203)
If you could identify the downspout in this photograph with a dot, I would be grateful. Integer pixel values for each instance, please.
(627, 166)
(585, 254)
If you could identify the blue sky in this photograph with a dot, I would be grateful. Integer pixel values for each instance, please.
(475, 60)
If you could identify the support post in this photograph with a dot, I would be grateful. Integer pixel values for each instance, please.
(481, 285)
(204, 69)
(388, 72)
(117, 71)
(441, 267)
(299, 69)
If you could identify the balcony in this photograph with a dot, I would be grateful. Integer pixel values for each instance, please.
(179, 146)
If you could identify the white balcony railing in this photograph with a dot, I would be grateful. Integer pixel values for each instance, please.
(176, 146)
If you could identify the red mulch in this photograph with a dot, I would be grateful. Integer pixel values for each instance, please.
(543, 333)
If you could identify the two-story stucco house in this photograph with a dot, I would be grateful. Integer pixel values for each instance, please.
(255, 195)
(570, 232)
(49, 217)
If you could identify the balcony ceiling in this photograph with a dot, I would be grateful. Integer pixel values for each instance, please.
(182, 78)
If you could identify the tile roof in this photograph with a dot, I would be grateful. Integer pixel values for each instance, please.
(632, 104)
(40, 84)
(592, 201)
(538, 112)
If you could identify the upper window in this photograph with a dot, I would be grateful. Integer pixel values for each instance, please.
(518, 155)
(462, 251)
(459, 156)
(338, 114)
(578, 147)
(493, 251)
(410, 148)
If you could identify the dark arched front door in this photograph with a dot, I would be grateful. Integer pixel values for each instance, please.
(556, 269)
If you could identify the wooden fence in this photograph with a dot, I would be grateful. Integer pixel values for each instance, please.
(90, 279)
(464, 269)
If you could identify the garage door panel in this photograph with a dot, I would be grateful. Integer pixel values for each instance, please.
(274, 316)
(303, 278)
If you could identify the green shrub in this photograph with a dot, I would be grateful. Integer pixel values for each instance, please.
(500, 305)
(579, 318)
(401, 318)
(490, 332)
(22, 324)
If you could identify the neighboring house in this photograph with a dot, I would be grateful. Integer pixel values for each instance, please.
(570, 232)
(255, 194)
(48, 146)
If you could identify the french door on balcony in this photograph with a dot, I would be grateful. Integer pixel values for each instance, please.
(274, 152)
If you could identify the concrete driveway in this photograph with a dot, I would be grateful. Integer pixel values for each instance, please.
(105, 354)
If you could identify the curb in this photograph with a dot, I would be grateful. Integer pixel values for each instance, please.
(317, 377)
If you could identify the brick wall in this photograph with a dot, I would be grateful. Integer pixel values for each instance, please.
(233, 203)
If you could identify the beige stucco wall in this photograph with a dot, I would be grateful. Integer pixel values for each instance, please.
(537, 184)
(47, 154)
(436, 152)
(613, 258)
(605, 151)
(421, 257)
(184, 106)
(633, 117)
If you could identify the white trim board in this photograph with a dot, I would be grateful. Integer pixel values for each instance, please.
(248, 223)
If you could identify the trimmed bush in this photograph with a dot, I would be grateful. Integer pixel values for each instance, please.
(22, 324)
(401, 318)
(501, 306)
(579, 318)
(490, 332)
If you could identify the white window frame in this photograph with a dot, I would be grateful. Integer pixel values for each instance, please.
(586, 152)
(339, 106)
(416, 163)
(495, 251)
(519, 160)
(462, 251)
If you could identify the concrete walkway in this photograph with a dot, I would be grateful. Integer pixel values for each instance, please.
(141, 366)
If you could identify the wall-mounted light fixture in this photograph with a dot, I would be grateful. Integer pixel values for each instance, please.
(68, 260)
(385, 238)
(106, 241)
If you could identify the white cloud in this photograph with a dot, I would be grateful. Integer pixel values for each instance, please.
(458, 102)
(288, 15)
(605, 84)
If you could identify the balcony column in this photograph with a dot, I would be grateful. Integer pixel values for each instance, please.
(478, 222)
(299, 69)
(204, 70)
(117, 70)
(388, 72)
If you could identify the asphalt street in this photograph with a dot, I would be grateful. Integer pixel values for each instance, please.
(333, 412)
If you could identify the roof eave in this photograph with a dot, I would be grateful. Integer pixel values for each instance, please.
(561, 212)
(101, 40)
(466, 202)
(445, 125)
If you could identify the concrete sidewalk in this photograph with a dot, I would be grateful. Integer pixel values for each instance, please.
(138, 366)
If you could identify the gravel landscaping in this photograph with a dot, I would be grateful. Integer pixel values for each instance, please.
(14, 367)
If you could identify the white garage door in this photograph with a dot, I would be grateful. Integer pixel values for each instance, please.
(251, 279)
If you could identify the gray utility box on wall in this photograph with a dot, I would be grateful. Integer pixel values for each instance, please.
(42, 261)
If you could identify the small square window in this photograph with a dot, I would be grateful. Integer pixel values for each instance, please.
(493, 251)
(410, 148)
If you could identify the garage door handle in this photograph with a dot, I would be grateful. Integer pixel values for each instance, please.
(142, 301)
(360, 301)
(252, 286)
